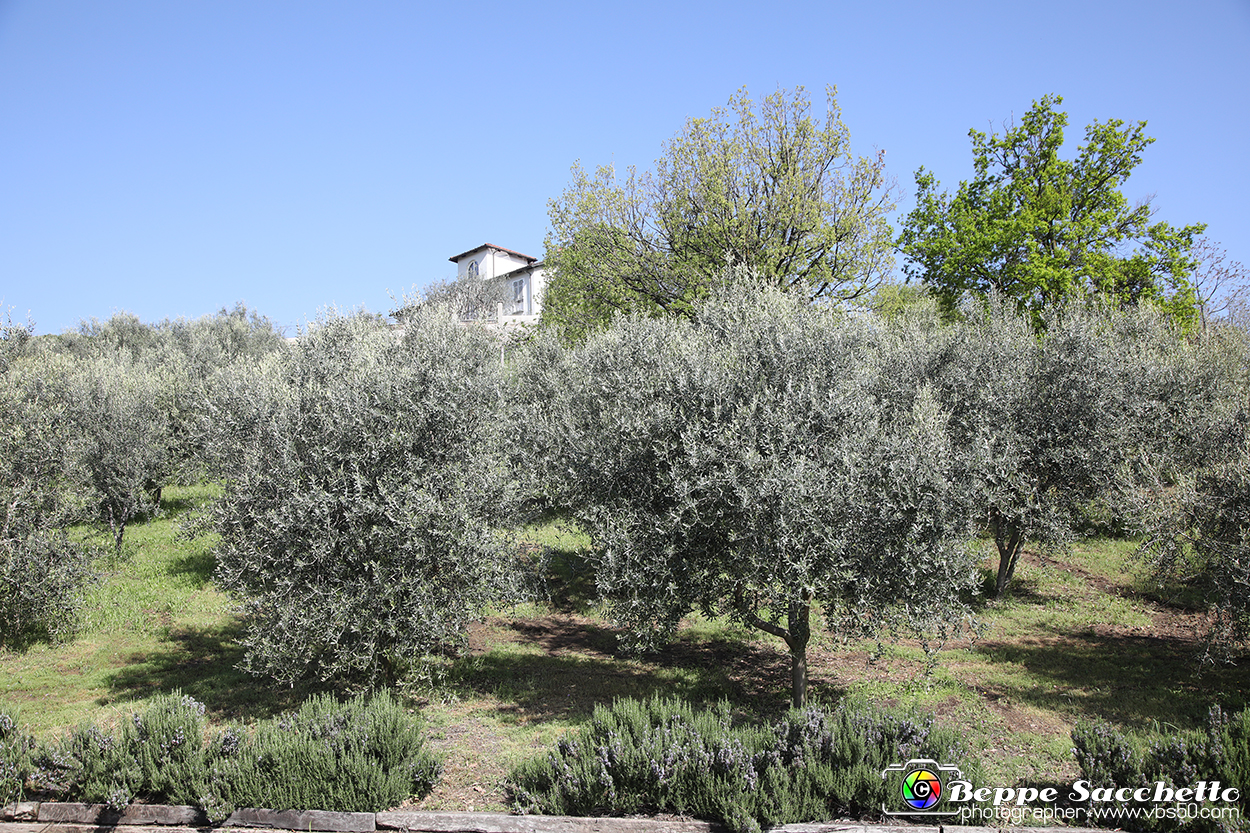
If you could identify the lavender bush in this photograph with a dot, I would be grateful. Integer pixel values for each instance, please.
(664, 756)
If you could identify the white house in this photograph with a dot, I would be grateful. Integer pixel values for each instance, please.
(520, 275)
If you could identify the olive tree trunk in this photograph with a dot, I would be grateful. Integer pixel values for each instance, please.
(796, 636)
(1010, 543)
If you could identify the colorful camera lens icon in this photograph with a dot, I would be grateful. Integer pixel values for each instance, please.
(921, 789)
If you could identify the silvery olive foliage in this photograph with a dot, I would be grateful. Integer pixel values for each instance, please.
(130, 400)
(747, 463)
(16, 340)
(192, 353)
(1196, 525)
(363, 490)
(180, 358)
(1047, 423)
(468, 297)
(42, 572)
(120, 418)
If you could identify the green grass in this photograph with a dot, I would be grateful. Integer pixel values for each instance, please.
(1079, 635)
(152, 623)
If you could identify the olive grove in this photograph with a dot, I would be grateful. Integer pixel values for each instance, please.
(761, 458)
(93, 422)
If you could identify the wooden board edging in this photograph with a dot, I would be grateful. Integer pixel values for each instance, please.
(68, 817)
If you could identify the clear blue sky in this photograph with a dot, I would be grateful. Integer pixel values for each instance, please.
(172, 157)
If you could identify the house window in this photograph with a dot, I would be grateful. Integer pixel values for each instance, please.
(518, 292)
(472, 269)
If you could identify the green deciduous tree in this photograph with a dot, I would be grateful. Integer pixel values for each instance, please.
(363, 491)
(742, 464)
(1038, 228)
(764, 185)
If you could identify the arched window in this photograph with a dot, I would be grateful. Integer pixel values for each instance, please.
(472, 270)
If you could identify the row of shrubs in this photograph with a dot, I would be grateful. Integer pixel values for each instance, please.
(367, 755)
(1109, 757)
(364, 755)
(636, 756)
(662, 756)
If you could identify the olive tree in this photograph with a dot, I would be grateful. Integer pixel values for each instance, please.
(191, 355)
(1197, 532)
(1048, 422)
(122, 335)
(363, 490)
(226, 336)
(125, 363)
(741, 464)
(15, 340)
(1192, 496)
(117, 410)
(42, 572)
(468, 297)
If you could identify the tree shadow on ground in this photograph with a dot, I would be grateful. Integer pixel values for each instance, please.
(197, 566)
(204, 663)
(172, 507)
(578, 666)
(1130, 679)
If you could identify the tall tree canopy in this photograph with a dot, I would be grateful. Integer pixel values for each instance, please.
(763, 185)
(746, 464)
(1038, 228)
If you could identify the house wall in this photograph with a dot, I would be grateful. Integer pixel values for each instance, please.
(531, 303)
(494, 264)
(491, 263)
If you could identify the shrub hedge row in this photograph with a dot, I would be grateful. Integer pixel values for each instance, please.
(636, 756)
(1109, 757)
(364, 755)
(662, 756)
